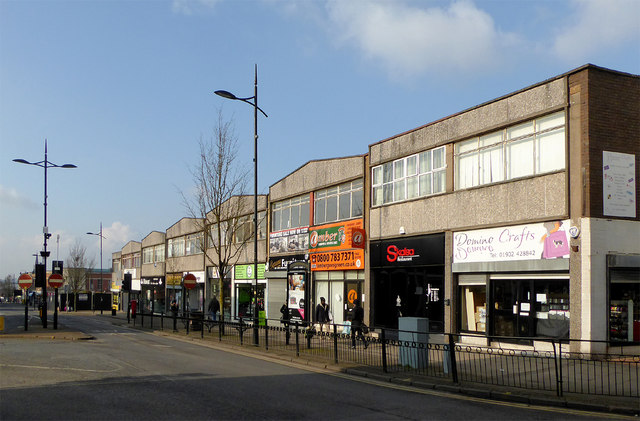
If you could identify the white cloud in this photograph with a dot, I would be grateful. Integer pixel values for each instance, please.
(408, 40)
(598, 25)
(11, 197)
(116, 236)
(190, 7)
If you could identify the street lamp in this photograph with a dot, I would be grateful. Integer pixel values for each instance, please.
(99, 234)
(45, 230)
(254, 104)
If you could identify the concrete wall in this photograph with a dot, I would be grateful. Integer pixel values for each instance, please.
(316, 175)
(509, 110)
(598, 238)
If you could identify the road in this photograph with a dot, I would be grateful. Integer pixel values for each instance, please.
(129, 374)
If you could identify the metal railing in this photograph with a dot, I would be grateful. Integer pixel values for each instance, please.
(556, 365)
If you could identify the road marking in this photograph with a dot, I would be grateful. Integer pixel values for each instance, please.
(37, 367)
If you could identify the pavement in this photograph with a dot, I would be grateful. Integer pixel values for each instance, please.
(623, 406)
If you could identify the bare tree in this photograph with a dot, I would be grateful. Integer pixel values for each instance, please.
(8, 285)
(219, 203)
(78, 269)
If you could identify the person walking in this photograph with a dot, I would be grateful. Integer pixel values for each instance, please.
(174, 313)
(214, 308)
(322, 314)
(357, 324)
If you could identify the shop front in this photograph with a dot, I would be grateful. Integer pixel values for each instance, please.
(513, 282)
(152, 294)
(336, 256)
(246, 294)
(173, 291)
(194, 298)
(407, 278)
(220, 290)
(285, 247)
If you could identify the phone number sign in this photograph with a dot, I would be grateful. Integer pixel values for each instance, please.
(337, 260)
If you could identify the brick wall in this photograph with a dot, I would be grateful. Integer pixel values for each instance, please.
(610, 107)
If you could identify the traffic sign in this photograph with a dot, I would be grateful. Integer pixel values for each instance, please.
(25, 281)
(190, 281)
(55, 280)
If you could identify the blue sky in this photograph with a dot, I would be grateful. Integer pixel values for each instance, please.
(124, 90)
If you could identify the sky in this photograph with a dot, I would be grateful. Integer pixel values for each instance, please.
(124, 91)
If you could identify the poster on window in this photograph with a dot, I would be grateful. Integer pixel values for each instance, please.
(619, 184)
(547, 240)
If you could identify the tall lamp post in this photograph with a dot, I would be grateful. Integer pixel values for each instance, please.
(45, 230)
(99, 234)
(254, 104)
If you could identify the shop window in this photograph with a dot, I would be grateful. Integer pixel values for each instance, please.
(473, 306)
(624, 305)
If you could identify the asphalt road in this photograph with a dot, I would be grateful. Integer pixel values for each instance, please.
(129, 374)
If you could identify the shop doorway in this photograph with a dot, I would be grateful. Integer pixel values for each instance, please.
(352, 292)
(514, 308)
(244, 304)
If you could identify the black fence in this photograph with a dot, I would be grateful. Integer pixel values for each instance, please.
(573, 366)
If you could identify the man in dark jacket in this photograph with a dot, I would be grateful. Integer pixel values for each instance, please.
(357, 323)
(214, 308)
(322, 313)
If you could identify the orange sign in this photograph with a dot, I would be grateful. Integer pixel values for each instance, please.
(352, 295)
(338, 260)
(338, 236)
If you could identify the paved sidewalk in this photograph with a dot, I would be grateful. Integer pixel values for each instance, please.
(597, 403)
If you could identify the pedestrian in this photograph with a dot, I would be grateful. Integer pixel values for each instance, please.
(357, 324)
(174, 312)
(322, 314)
(285, 321)
(214, 308)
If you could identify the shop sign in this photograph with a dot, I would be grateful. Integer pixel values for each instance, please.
(174, 279)
(337, 236)
(548, 240)
(408, 251)
(151, 281)
(288, 241)
(246, 272)
(282, 263)
(338, 260)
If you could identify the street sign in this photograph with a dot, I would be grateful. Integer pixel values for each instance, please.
(25, 281)
(55, 280)
(190, 281)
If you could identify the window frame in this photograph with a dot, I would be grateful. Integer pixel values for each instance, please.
(390, 182)
(528, 135)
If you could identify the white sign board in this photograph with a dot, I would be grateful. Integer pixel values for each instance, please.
(548, 240)
(619, 184)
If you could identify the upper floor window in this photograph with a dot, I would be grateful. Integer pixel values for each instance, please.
(338, 203)
(147, 255)
(175, 247)
(290, 213)
(193, 244)
(407, 178)
(159, 253)
(136, 260)
(534, 147)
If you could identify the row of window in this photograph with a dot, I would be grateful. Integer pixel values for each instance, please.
(187, 245)
(531, 148)
(241, 232)
(534, 147)
(153, 254)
